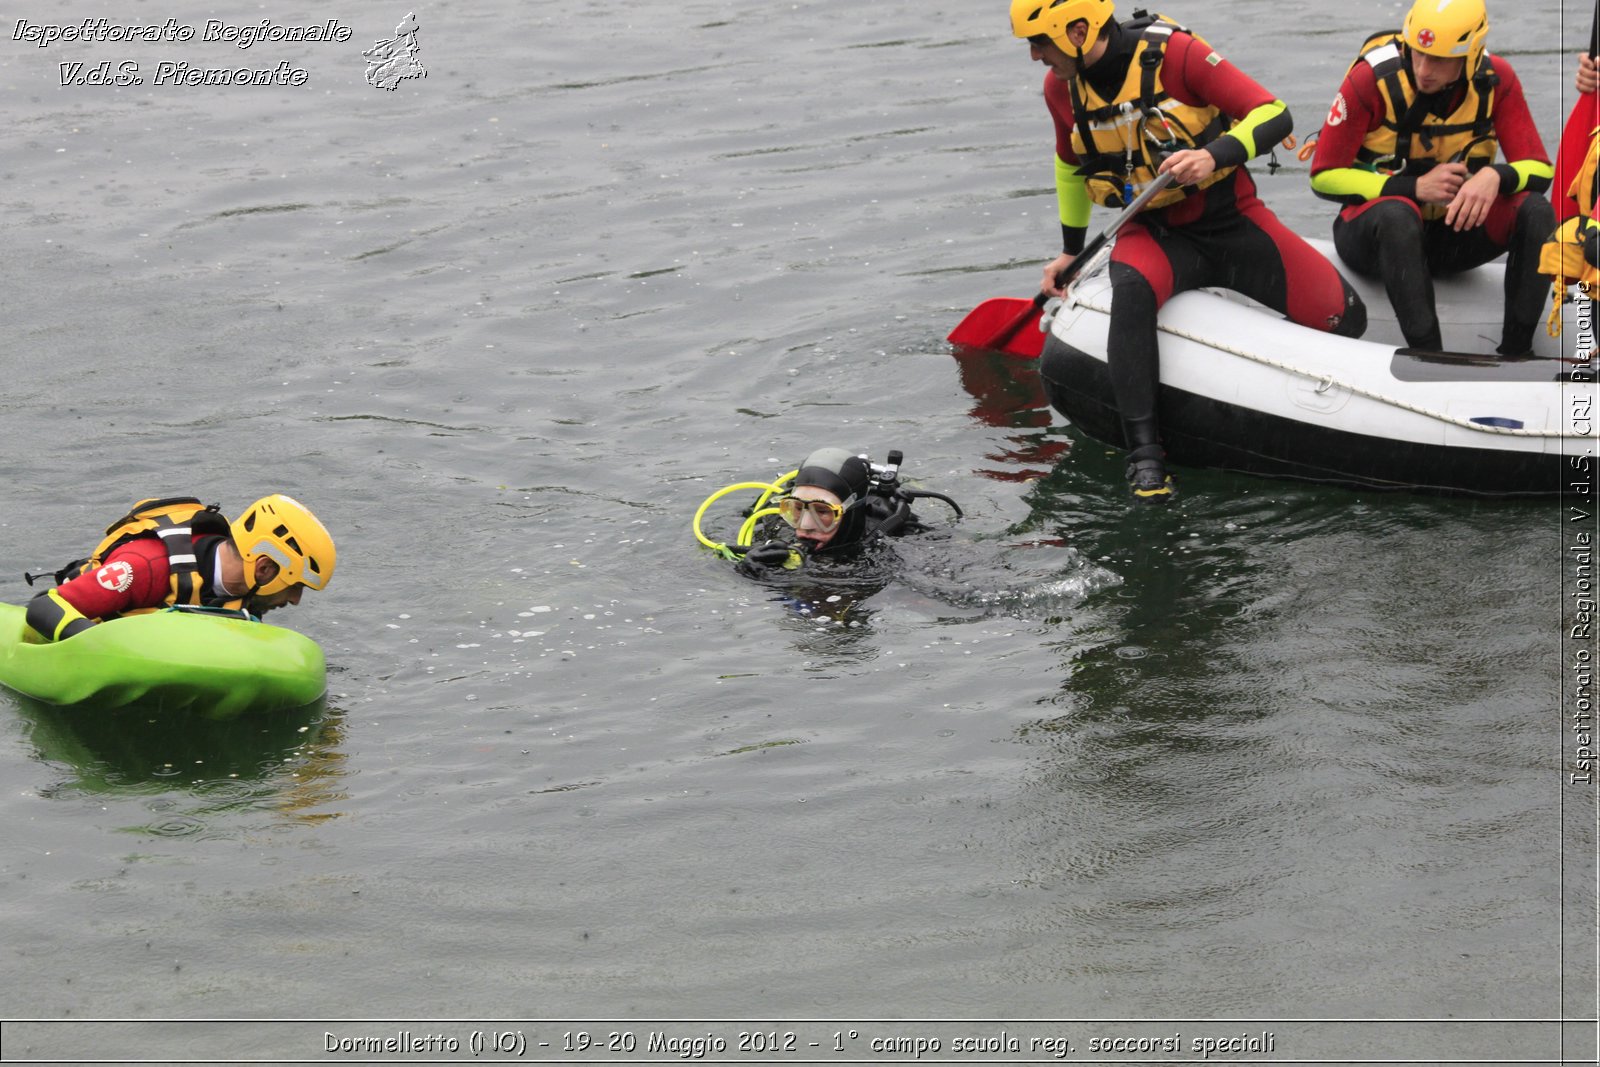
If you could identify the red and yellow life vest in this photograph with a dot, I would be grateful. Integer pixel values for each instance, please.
(176, 520)
(1412, 133)
(1121, 142)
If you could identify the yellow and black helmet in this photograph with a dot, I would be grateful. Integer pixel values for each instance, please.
(1050, 18)
(1448, 29)
(284, 530)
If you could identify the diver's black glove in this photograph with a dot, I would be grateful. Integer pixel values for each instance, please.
(769, 554)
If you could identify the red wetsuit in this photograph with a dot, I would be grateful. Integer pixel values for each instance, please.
(1222, 235)
(134, 575)
(1385, 235)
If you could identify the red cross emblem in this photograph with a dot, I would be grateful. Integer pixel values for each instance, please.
(1425, 39)
(116, 577)
(1339, 111)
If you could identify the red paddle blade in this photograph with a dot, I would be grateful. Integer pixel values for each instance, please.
(1008, 324)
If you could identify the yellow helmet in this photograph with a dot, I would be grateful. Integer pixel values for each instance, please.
(1031, 18)
(283, 530)
(1448, 29)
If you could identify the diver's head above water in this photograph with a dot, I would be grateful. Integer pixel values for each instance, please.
(825, 504)
(835, 505)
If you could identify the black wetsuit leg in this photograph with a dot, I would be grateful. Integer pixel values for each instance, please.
(1133, 357)
(1518, 227)
(1384, 240)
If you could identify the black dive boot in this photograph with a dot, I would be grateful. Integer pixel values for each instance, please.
(1516, 339)
(1147, 475)
(1148, 479)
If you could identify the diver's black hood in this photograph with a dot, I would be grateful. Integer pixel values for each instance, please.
(847, 477)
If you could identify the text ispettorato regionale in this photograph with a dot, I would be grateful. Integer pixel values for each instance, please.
(102, 30)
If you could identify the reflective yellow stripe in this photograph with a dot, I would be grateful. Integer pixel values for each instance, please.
(1072, 196)
(1531, 168)
(1349, 181)
(1244, 131)
(69, 614)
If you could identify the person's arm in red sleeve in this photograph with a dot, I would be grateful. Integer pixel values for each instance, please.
(1574, 144)
(1357, 110)
(134, 576)
(1194, 73)
(1527, 165)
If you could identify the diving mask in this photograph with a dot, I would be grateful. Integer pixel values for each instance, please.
(824, 513)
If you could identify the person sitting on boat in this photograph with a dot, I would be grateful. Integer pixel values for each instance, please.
(1409, 148)
(1136, 99)
(178, 552)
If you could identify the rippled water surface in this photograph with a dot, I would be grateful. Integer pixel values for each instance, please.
(1280, 751)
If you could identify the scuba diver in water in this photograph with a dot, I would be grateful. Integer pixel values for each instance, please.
(838, 507)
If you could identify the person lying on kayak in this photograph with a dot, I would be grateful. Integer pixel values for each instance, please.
(176, 551)
(1136, 99)
(1409, 148)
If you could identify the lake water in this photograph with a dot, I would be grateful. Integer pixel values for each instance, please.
(1276, 757)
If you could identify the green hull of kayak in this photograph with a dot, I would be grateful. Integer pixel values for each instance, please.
(216, 665)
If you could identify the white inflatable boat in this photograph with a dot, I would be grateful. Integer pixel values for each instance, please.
(1244, 389)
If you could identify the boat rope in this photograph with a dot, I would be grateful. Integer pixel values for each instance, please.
(1326, 382)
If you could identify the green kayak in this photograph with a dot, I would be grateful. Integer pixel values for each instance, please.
(217, 665)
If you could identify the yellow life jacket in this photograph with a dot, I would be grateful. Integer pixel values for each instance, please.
(1121, 142)
(1411, 133)
(175, 520)
(1562, 255)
